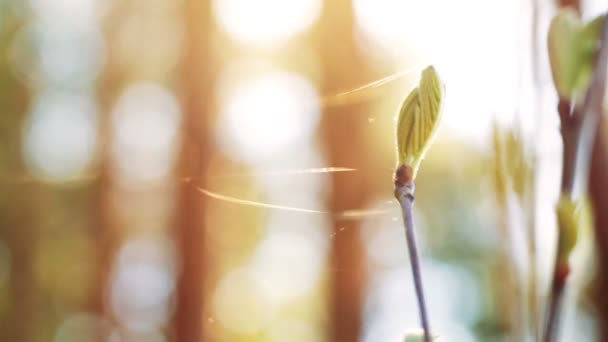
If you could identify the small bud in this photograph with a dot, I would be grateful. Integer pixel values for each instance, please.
(418, 119)
(572, 49)
(569, 219)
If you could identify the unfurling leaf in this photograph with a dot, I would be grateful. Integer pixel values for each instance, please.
(572, 49)
(418, 119)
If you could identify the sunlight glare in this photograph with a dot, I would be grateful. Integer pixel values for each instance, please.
(476, 46)
(69, 56)
(264, 116)
(265, 22)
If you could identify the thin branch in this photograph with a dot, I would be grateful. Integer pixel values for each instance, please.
(579, 129)
(597, 188)
(560, 275)
(593, 108)
(405, 196)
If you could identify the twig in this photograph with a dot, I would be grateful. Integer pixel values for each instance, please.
(579, 129)
(404, 192)
(597, 187)
(560, 275)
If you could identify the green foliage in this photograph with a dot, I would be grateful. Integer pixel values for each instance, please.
(572, 48)
(513, 169)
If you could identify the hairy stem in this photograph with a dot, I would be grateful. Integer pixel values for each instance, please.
(405, 196)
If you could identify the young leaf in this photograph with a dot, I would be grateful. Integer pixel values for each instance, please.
(572, 216)
(418, 119)
(572, 48)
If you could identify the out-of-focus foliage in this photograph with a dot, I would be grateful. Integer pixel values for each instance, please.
(572, 49)
(512, 165)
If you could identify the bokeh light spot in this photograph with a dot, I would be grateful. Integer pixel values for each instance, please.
(77, 14)
(61, 135)
(70, 57)
(143, 282)
(265, 22)
(240, 305)
(266, 115)
(287, 264)
(473, 43)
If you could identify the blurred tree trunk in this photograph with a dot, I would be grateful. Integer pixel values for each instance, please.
(345, 146)
(17, 203)
(17, 229)
(189, 221)
(106, 233)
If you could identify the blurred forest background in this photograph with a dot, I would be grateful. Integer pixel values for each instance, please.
(213, 170)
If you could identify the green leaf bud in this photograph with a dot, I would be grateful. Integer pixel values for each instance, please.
(572, 49)
(418, 119)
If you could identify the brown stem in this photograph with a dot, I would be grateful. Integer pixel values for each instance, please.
(579, 131)
(598, 193)
(571, 124)
(560, 276)
(571, 130)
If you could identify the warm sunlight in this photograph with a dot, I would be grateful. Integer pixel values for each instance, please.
(303, 170)
(266, 115)
(265, 22)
